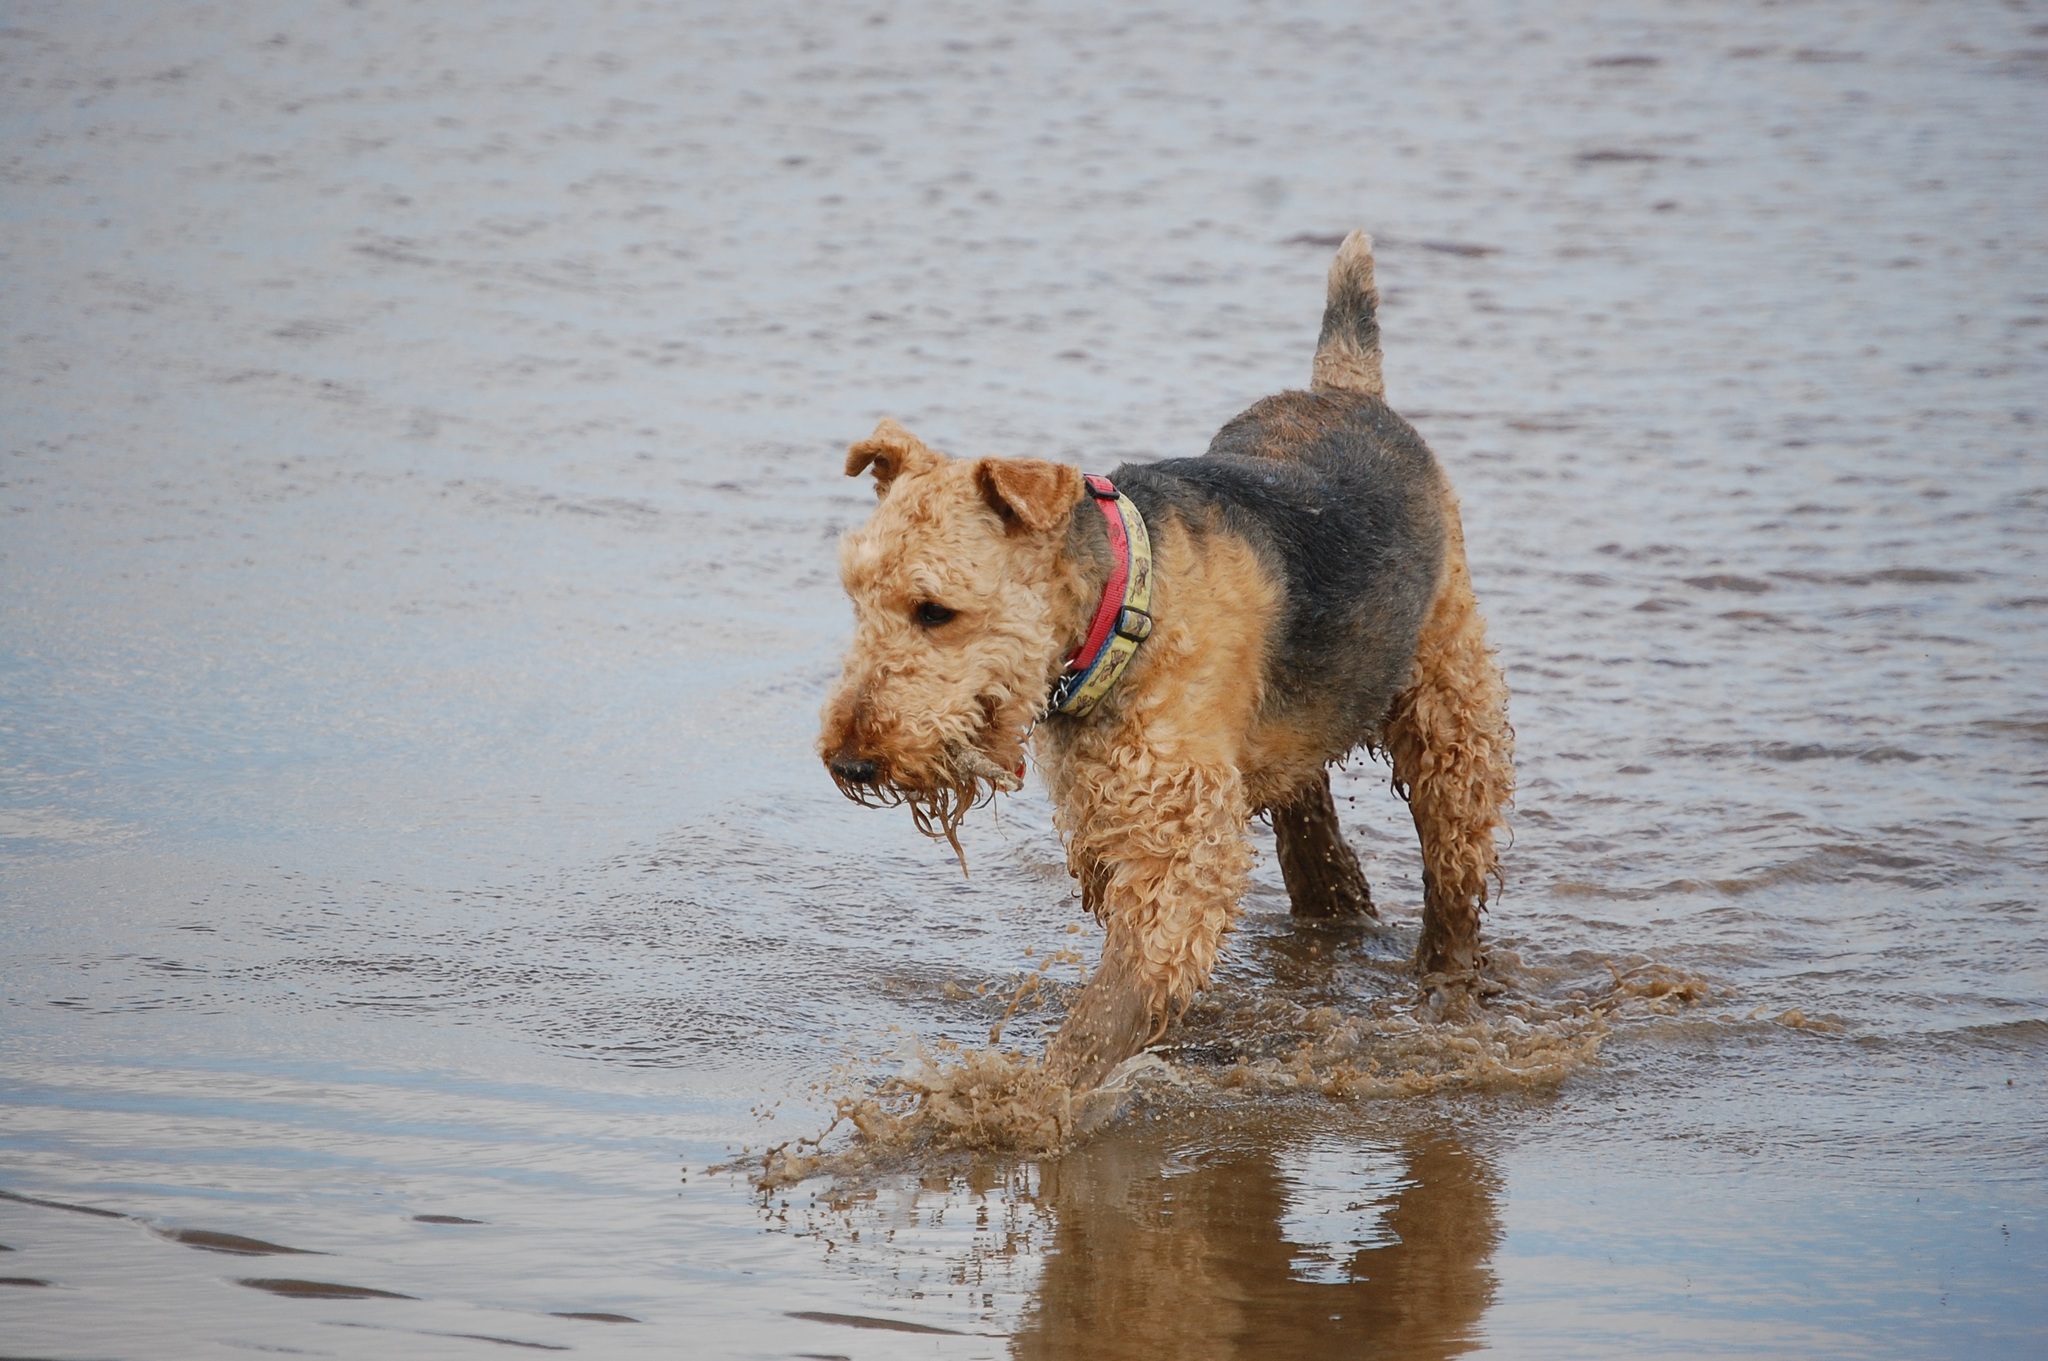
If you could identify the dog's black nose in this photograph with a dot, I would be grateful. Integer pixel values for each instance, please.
(854, 769)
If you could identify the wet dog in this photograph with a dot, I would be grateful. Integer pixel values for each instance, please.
(1186, 644)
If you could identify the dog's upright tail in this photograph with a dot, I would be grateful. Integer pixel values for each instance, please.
(1348, 355)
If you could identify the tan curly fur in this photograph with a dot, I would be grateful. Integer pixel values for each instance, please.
(1452, 751)
(974, 580)
(1151, 799)
(944, 709)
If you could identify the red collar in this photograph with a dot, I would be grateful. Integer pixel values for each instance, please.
(1103, 492)
(1121, 619)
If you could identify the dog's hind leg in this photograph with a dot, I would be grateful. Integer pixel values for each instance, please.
(1453, 756)
(1323, 876)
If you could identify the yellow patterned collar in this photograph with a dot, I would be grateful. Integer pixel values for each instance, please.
(1123, 619)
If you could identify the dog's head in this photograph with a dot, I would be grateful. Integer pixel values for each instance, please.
(958, 596)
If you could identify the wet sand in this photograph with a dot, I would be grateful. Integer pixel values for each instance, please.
(416, 591)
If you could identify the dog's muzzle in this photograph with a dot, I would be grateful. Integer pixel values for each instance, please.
(849, 769)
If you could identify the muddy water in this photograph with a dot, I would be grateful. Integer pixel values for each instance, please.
(421, 440)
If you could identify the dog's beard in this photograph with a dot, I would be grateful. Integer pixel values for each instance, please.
(938, 805)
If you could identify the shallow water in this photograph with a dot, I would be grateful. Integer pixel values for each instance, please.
(416, 591)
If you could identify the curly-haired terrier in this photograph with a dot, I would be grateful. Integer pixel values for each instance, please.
(1185, 644)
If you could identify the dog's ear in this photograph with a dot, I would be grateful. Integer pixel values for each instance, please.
(891, 451)
(1029, 493)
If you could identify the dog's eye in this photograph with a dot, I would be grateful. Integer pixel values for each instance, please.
(931, 614)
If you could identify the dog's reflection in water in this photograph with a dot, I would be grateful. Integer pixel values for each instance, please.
(1192, 1257)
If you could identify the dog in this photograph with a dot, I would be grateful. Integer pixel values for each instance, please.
(1184, 645)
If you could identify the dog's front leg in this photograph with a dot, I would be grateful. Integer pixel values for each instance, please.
(1161, 854)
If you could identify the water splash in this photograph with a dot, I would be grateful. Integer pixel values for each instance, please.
(1529, 1027)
